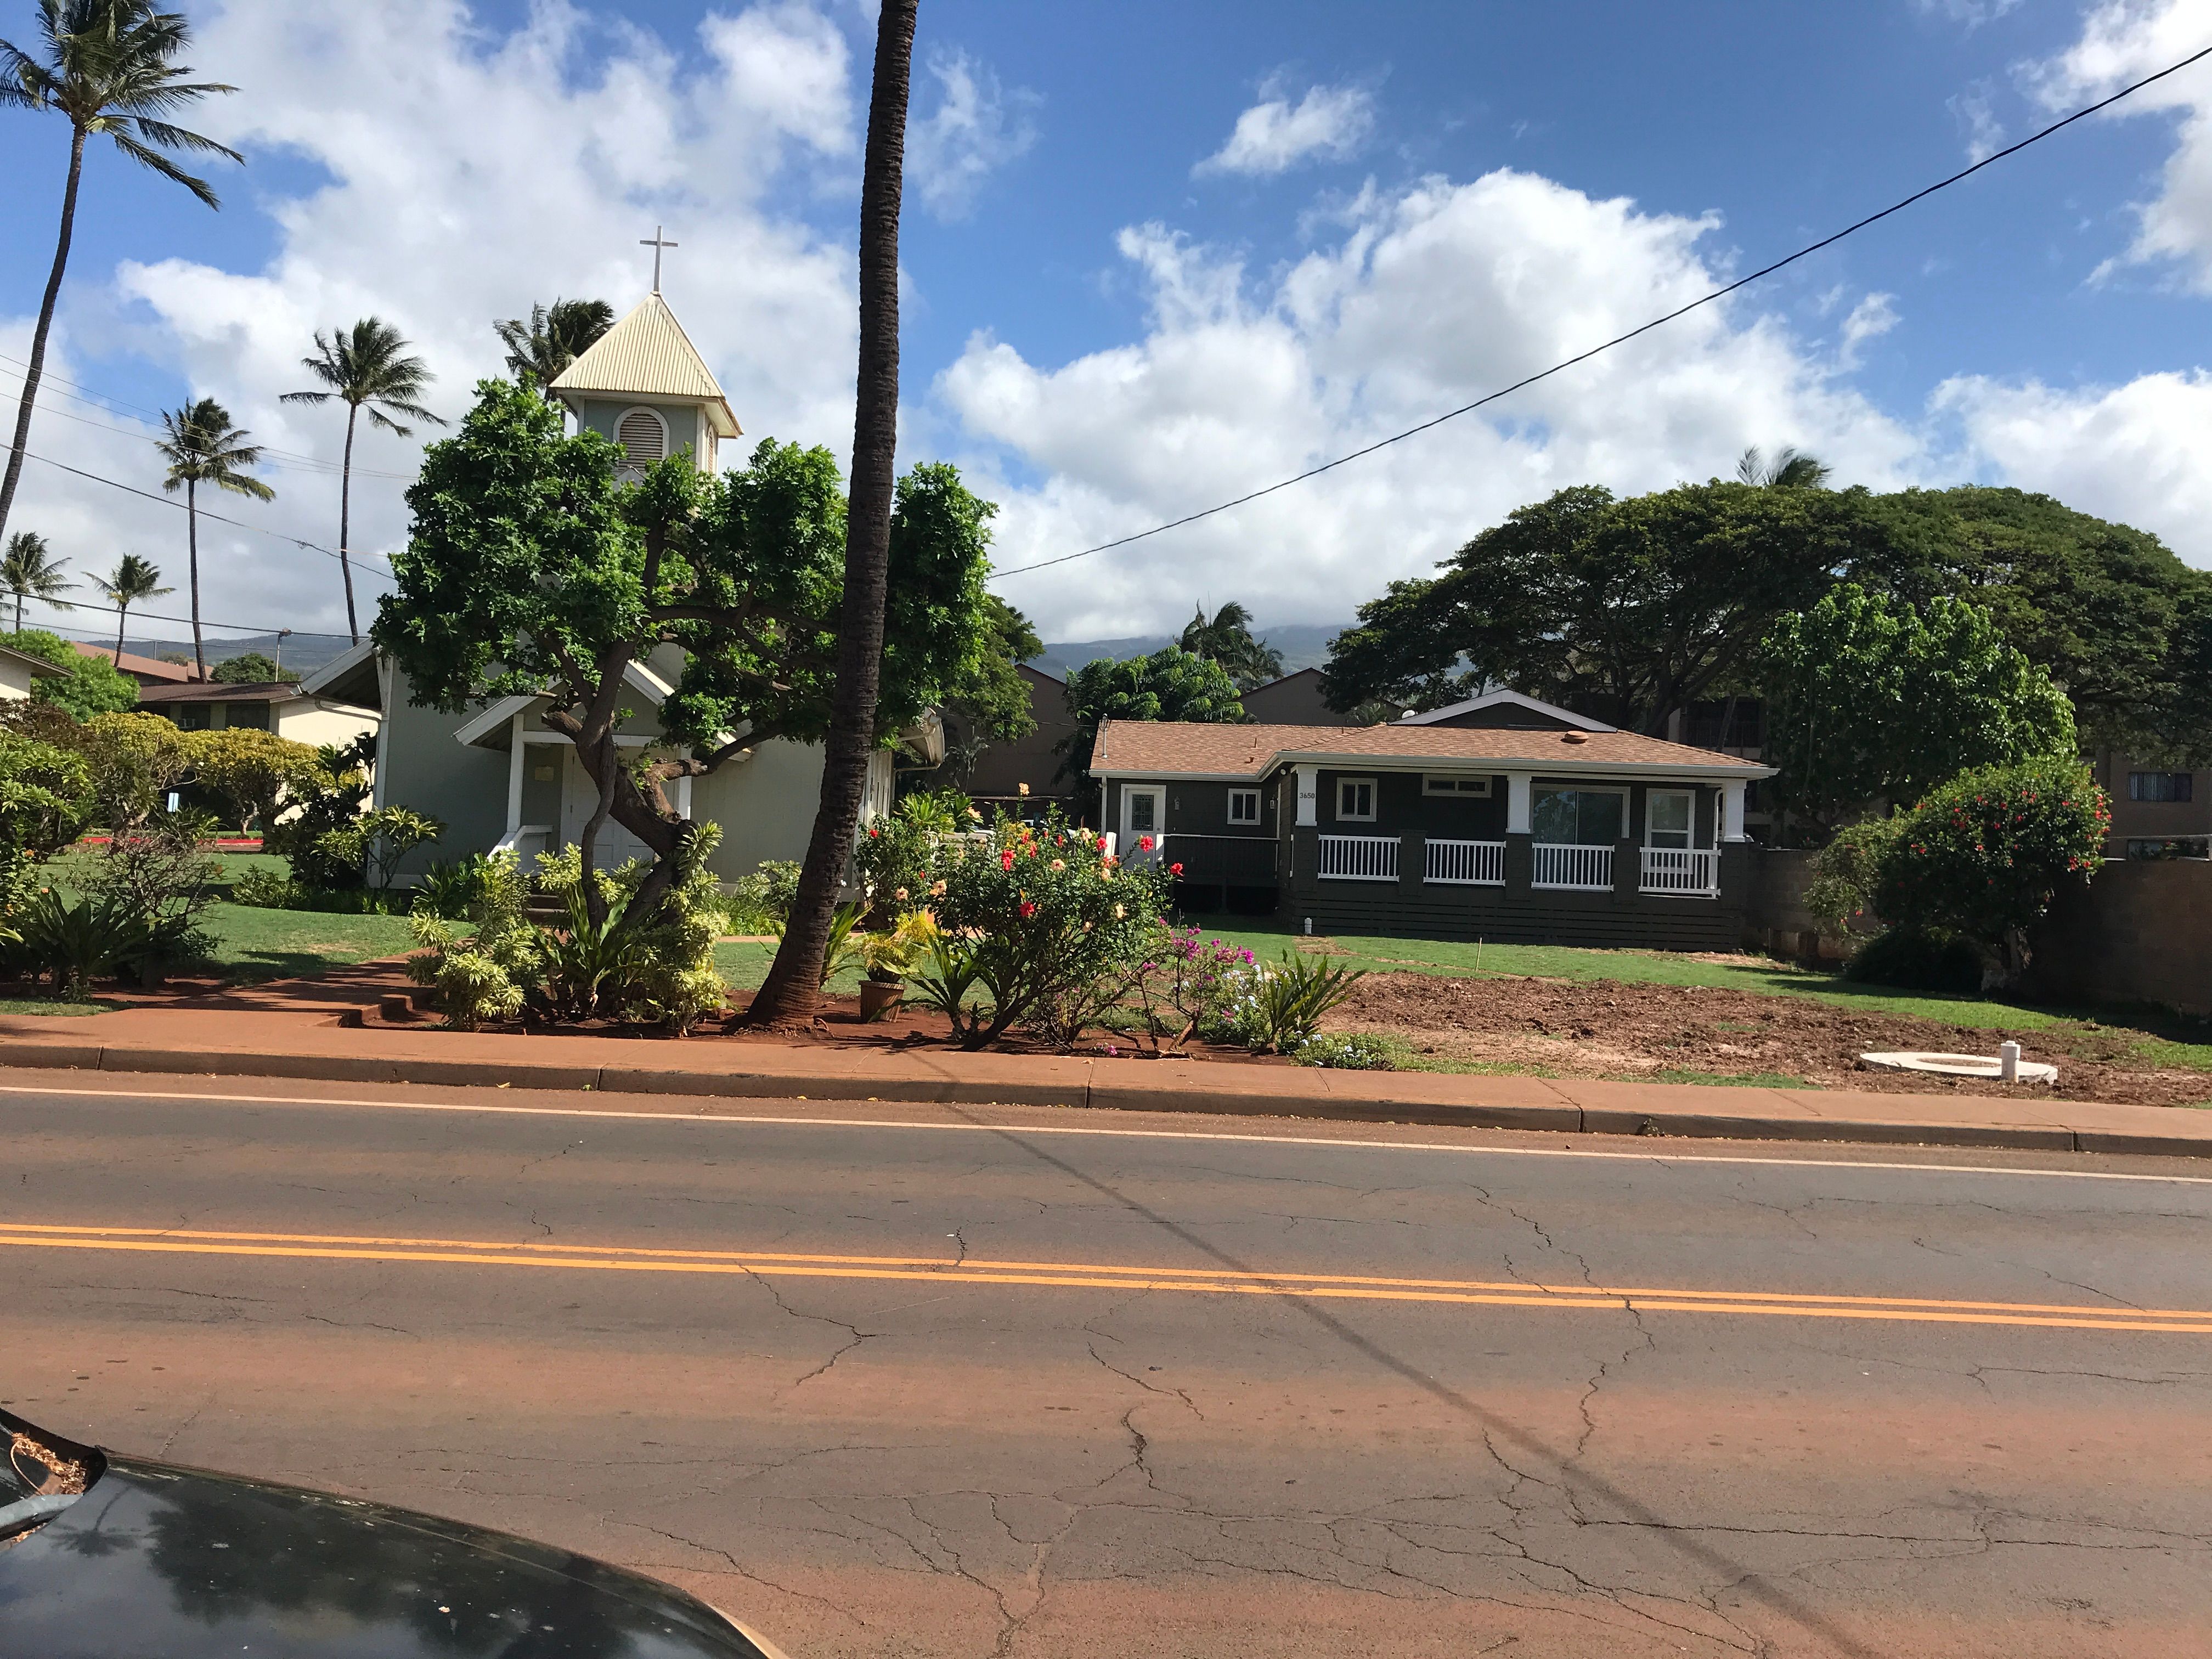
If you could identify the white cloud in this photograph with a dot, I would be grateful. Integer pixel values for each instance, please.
(1421, 301)
(1870, 318)
(2141, 452)
(1976, 114)
(2122, 41)
(1972, 13)
(465, 174)
(1275, 136)
(975, 129)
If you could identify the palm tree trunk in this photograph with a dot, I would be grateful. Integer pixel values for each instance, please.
(37, 367)
(192, 542)
(792, 989)
(122, 618)
(345, 522)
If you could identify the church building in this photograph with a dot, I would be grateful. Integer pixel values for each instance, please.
(495, 775)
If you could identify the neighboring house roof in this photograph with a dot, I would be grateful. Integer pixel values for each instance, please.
(648, 355)
(144, 670)
(269, 691)
(492, 721)
(39, 667)
(350, 676)
(1509, 699)
(1152, 748)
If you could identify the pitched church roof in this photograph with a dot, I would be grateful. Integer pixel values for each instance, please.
(648, 355)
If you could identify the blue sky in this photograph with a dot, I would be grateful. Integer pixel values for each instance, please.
(1120, 309)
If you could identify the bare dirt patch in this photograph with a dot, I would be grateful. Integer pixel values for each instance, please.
(1575, 1027)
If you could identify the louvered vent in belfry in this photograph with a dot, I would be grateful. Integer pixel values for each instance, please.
(643, 436)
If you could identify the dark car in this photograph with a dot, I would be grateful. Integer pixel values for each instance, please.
(103, 1556)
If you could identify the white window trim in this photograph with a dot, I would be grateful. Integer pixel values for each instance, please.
(1251, 795)
(658, 420)
(1455, 786)
(1651, 796)
(1374, 794)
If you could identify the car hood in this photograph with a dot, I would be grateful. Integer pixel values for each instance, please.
(188, 1563)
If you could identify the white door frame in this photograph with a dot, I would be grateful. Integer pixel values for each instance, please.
(1129, 832)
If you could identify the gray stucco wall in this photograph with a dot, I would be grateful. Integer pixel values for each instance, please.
(420, 766)
(766, 806)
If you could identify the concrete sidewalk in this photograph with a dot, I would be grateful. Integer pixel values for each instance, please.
(308, 1044)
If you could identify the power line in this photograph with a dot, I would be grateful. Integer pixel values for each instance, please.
(114, 405)
(270, 457)
(7, 601)
(170, 501)
(1619, 339)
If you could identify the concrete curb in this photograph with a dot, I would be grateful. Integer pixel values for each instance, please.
(1347, 1097)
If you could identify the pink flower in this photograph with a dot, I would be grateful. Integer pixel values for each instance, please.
(1175, 869)
(1007, 858)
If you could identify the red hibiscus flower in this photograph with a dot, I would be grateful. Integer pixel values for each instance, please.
(1007, 858)
(1029, 908)
(1175, 869)
(1144, 843)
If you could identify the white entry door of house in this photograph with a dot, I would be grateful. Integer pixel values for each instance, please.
(579, 799)
(1144, 810)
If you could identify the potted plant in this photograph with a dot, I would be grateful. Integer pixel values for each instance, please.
(887, 956)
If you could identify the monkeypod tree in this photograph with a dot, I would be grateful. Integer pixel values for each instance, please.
(530, 569)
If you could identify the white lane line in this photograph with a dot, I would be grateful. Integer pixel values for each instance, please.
(1111, 1134)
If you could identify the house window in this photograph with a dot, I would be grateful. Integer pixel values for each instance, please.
(1244, 806)
(1472, 788)
(253, 714)
(1355, 798)
(2161, 785)
(1144, 810)
(1669, 815)
(1580, 817)
(643, 436)
(194, 717)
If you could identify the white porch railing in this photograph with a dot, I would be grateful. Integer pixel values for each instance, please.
(1358, 858)
(1560, 865)
(1467, 863)
(526, 842)
(1694, 871)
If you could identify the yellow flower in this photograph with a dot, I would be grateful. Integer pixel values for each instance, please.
(1059, 864)
(1119, 913)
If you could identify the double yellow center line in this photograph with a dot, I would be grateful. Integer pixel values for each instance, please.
(1083, 1275)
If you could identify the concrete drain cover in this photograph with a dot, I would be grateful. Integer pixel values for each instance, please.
(1988, 1068)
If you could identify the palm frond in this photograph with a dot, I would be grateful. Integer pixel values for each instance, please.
(154, 160)
(305, 397)
(169, 137)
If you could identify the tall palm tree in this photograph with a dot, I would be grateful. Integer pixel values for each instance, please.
(109, 66)
(364, 367)
(204, 447)
(1229, 640)
(792, 989)
(134, 579)
(31, 572)
(1788, 470)
(554, 336)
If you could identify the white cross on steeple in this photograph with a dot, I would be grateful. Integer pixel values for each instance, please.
(656, 242)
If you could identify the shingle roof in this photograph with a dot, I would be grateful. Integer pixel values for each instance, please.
(1173, 748)
(648, 355)
(216, 692)
(139, 668)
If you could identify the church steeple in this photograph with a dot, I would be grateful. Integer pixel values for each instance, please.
(644, 385)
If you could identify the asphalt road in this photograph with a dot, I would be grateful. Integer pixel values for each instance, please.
(1029, 1383)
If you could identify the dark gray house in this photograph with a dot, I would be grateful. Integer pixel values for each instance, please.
(1502, 818)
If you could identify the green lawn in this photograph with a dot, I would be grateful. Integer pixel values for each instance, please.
(745, 965)
(255, 945)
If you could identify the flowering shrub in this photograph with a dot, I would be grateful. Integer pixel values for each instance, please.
(1982, 856)
(1039, 926)
(1186, 987)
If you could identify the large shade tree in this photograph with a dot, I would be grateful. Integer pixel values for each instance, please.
(532, 569)
(1627, 610)
(202, 448)
(1870, 697)
(1173, 684)
(792, 988)
(368, 368)
(108, 67)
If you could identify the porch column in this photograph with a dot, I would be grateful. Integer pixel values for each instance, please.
(1732, 809)
(514, 760)
(1520, 802)
(1308, 779)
